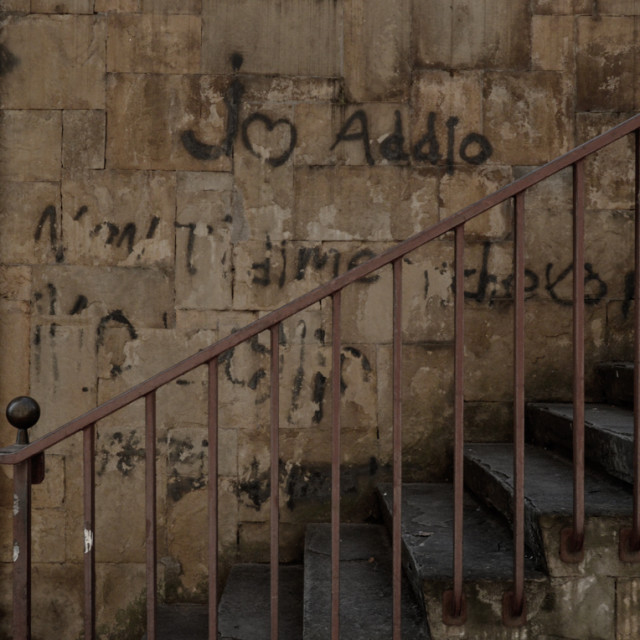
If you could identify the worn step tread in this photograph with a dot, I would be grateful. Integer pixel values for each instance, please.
(548, 488)
(181, 621)
(244, 611)
(365, 586)
(427, 533)
(608, 434)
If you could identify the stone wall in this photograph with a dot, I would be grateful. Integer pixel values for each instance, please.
(173, 169)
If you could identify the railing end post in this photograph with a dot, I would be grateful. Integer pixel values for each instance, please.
(22, 413)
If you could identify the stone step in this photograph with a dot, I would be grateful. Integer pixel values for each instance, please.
(245, 612)
(365, 586)
(427, 525)
(549, 505)
(181, 621)
(608, 434)
(617, 382)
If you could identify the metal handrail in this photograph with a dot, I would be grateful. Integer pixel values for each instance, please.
(323, 291)
(454, 606)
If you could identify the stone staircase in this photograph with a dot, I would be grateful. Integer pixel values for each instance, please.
(597, 598)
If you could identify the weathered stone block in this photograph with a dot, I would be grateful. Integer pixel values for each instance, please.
(83, 139)
(205, 226)
(605, 64)
(593, 611)
(468, 34)
(51, 494)
(59, 606)
(372, 133)
(627, 601)
(449, 97)
(132, 359)
(119, 218)
(262, 200)
(30, 144)
(48, 535)
(32, 211)
(563, 7)
(22, 6)
(112, 600)
(326, 198)
(172, 6)
(65, 70)
(102, 298)
(552, 42)
(376, 49)
(427, 410)
(516, 114)
(64, 6)
(427, 301)
(467, 186)
(617, 8)
(107, 6)
(166, 121)
(14, 366)
(153, 43)
(63, 376)
(120, 474)
(609, 174)
(295, 38)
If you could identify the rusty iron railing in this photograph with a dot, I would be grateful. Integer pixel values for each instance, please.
(27, 459)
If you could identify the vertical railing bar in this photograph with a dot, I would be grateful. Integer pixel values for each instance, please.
(458, 449)
(397, 450)
(89, 493)
(150, 509)
(274, 482)
(22, 550)
(578, 355)
(335, 466)
(518, 392)
(635, 526)
(213, 496)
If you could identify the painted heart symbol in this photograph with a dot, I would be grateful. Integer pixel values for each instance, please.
(270, 125)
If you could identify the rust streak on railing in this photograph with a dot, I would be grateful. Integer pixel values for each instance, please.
(150, 502)
(335, 466)
(397, 450)
(274, 483)
(306, 300)
(89, 491)
(213, 496)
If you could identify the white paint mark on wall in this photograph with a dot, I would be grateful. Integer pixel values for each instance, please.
(16, 551)
(16, 504)
(88, 540)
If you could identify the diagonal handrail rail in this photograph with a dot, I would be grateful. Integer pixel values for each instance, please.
(323, 291)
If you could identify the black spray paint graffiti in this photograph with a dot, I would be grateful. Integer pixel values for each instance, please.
(475, 149)
(115, 236)
(489, 287)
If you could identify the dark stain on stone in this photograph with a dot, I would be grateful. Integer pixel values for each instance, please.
(255, 379)
(255, 486)
(80, 305)
(183, 383)
(320, 335)
(179, 486)
(8, 61)
(319, 386)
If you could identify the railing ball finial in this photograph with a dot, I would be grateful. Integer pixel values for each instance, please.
(22, 413)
